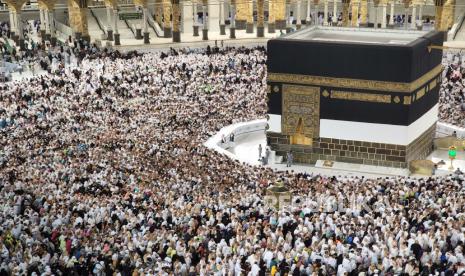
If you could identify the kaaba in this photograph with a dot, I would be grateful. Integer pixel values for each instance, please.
(357, 95)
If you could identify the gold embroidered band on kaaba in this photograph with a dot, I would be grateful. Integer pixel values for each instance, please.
(356, 96)
(355, 83)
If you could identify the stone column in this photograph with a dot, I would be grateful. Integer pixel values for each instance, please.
(109, 23)
(355, 4)
(159, 12)
(420, 17)
(244, 15)
(222, 24)
(176, 23)
(271, 17)
(260, 18)
(413, 24)
(363, 13)
(78, 19)
(406, 8)
(383, 19)
(288, 18)
(375, 15)
(146, 29)
(116, 35)
(53, 38)
(232, 26)
(438, 17)
(335, 16)
(391, 16)
(249, 20)
(187, 21)
(298, 21)
(309, 15)
(19, 27)
(47, 25)
(15, 34)
(205, 21)
(279, 10)
(345, 13)
(15, 19)
(42, 22)
(167, 18)
(241, 14)
(325, 13)
(213, 8)
(447, 17)
(195, 15)
(12, 23)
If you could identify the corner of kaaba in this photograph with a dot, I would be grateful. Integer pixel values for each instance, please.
(365, 96)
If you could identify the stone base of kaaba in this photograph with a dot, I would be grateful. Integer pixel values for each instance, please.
(367, 153)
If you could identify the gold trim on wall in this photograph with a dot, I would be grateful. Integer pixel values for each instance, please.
(301, 104)
(357, 96)
(421, 93)
(407, 100)
(355, 83)
(433, 84)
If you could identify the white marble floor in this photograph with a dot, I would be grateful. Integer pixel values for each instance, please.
(443, 155)
(28, 73)
(246, 150)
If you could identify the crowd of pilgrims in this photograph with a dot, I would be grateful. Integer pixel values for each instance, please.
(43, 55)
(103, 172)
(452, 91)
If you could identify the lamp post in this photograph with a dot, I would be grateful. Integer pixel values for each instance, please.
(278, 195)
(452, 155)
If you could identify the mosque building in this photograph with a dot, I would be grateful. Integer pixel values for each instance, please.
(232, 137)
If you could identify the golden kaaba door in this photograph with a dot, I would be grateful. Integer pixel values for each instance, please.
(301, 113)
